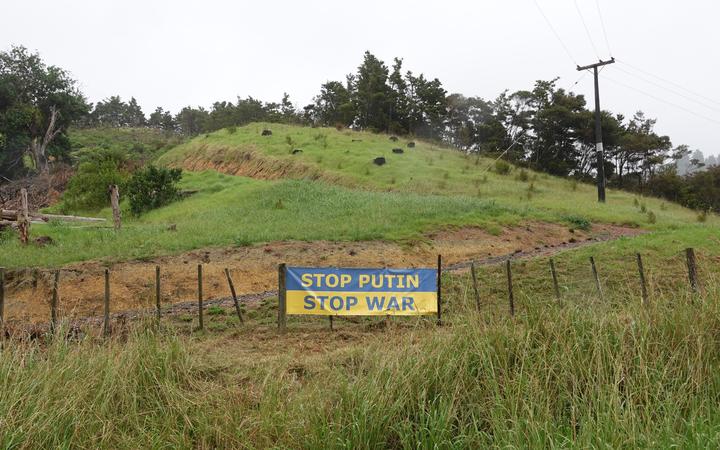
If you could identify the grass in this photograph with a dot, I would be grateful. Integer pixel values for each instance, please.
(338, 192)
(238, 211)
(140, 143)
(581, 373)
(345, 157)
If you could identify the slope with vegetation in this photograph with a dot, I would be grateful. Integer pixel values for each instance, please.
(424, 188)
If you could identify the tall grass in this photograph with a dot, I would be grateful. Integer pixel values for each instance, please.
(581, 374)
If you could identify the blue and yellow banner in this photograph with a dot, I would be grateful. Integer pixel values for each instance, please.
(361, 292)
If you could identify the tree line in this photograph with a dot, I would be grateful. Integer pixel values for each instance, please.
(546, 128)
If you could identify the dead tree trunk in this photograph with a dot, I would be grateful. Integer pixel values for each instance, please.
(38, 148)
(24, 218)
(115, 203)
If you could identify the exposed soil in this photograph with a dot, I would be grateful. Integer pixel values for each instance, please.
(249, 163)
(254, 269)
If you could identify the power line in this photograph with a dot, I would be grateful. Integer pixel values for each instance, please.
(669, 82)
(555, 32)
(664, 101)
(602, 23)
(583, 75)
(679, 94)
(587, 31)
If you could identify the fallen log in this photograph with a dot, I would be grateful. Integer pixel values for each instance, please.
(11, 215)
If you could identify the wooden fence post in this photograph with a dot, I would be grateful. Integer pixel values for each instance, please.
(24, 217)
(106, 315)
(2, 302)
(475, 285)
(554, 279)
(596, 277)
(200, 297)
(511, 297)
(115, 203)
(157, 293)
(282, 305)
(692, 269)
(439, 290)
(643, 284)
(54, 303)
(331, 322)
(234, 296)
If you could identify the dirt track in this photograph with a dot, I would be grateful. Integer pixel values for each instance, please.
(254, 268)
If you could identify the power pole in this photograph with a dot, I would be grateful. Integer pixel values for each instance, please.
(598, 130)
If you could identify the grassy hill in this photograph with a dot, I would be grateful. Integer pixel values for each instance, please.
(346, 157)
(331, 190)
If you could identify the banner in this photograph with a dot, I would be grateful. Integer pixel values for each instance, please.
(361, 292)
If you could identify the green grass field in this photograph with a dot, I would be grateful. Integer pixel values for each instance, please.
(421, 190)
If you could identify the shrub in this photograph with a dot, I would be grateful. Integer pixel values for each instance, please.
(502, 167)
(232, 129)
(88, 189)
(152, 187)
(702, 216)
(651, 218)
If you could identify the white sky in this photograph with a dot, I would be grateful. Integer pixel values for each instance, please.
(173, 53)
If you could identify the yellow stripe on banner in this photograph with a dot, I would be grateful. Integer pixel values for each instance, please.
(361, 303)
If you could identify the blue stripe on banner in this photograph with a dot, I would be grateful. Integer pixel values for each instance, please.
(361, 280)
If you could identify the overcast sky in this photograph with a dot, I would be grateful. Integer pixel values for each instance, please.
(173, 53)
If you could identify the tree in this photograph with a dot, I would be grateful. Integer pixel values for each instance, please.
(557, 122)
(372, 95)
(133, 115)
(110, 112)
(191, 121)
(37, 103)
(162, 119)
(334, 105)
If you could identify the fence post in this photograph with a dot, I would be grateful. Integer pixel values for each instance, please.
(115, 203)
(511, 297)
(596, 277)
(439, 289)
(24, 217)
(157, 293)
(54, 303)
(2, 302)
(475, 285)
(331, 322)
(234, 296)
(200, 297)
(106, 315)
(282, 306)
(643, 285)
(692, 269)
(554, 279)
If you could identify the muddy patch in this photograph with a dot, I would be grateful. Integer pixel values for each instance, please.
(254, 268)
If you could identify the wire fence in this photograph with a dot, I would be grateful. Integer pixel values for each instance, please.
(508, 287)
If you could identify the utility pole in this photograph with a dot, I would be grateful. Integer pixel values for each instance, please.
(598, 130)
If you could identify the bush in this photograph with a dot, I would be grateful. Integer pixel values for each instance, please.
(88, 189)
(502, 167)
(152, 187)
